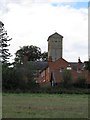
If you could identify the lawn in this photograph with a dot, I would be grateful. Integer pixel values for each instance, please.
(28, 105)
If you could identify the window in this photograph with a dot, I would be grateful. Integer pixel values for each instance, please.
(61, 69)
(69, 67)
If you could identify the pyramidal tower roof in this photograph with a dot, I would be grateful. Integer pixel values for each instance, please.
(55, 34)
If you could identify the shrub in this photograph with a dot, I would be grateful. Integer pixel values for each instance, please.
(67, 78)
(9, 78)
(81, 81)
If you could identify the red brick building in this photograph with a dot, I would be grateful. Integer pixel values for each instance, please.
(57, 67)
(57, 64)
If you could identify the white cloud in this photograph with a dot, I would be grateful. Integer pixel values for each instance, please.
(29, 23)
(68, 0)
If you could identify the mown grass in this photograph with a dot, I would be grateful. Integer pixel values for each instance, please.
(27, 105)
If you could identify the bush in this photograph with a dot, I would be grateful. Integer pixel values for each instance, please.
(18, 79)
(81, 81)
(67, 78)
(9, 78)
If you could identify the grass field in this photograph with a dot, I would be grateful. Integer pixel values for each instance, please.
(27, 105)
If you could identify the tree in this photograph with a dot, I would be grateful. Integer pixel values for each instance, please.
(87, 65)
(81, 81)
(44, 56)
(4, 39)
(10, 78)
(67, 78)
(32, 52)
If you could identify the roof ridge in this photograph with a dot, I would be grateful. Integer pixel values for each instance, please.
(54, 34)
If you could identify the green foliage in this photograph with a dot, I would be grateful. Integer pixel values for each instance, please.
(81, 81)
(9, 78)
(20, 78)
(44, 56)
(67, 78)
(4, 39)
(87, 65)
(32, 52)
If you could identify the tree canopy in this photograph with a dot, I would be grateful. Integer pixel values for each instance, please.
(33, 53)
(44, 56)
(87, 65)
(4, 39)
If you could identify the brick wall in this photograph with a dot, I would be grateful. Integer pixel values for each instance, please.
(56, 67)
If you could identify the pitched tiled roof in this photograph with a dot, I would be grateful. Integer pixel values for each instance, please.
(55, 34)
(39, 65)
(31, 65)
(74, 64)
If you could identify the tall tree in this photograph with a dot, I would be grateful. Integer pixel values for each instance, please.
(44, 56)
(4, 39)
(32, 52)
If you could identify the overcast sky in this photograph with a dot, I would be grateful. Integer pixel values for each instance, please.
(31, 22)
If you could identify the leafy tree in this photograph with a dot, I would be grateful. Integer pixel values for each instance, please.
(10, 77)
(32, 52)
(20, 78)
(81, 81)
(44, 56)
(67, 78)
(4, 39)
(26, 72)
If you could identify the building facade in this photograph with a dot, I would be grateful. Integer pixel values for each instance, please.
(57, 64)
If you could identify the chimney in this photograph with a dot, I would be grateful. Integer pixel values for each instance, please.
(79, 61)
(79, 64)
